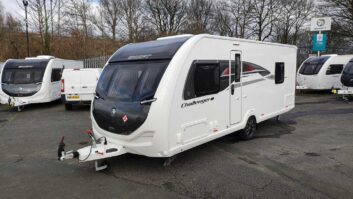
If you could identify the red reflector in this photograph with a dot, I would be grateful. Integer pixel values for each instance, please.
(89, 132)
(62, 86)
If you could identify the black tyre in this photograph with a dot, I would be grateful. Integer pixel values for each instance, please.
(68, 107)
(249, 131)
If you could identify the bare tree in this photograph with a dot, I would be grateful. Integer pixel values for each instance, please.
(241, 11)
(38, 12)
(78, 14)
(290, 21)
(78, 21)
(341, 12)
(167, 16)
(13, 31)
(200, 13)
(264, 16)
(109, 15)
(222, 20)
(132, 18)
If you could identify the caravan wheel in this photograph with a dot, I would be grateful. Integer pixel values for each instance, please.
(249, 131)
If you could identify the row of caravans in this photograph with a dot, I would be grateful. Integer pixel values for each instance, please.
(162, 97)
(40, 79)
(323, 73)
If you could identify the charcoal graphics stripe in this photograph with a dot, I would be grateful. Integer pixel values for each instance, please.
(237, 85)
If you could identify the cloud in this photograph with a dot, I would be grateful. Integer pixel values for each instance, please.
(13, 7)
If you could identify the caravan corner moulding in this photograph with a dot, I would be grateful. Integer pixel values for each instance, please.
(33, 80)
(162, 97)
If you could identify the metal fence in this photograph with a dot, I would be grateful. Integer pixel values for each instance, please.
(95, 62)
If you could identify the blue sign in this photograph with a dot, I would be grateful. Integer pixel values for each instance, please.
(319, 42)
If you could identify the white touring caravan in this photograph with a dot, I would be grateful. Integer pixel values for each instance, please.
(347, 81)
(321, 73)
(32, 80)
(78, 86)
(160, 98)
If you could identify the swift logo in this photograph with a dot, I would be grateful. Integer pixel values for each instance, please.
(125, 118)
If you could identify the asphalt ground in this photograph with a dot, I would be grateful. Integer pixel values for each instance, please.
(308, 154)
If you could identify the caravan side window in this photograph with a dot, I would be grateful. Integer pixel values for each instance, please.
(279, 73)
(334, 69)
(56, 74)
(206, 79)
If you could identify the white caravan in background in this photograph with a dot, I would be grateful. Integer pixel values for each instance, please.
(347, 81)
(321, 73)
(163, 97)
(78, 86)
(33, 80)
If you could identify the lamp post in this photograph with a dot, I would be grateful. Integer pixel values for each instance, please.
(25, 3)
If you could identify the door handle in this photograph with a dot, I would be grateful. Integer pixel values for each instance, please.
(232, 87)
(84, 86)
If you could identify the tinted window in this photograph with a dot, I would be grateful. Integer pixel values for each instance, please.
(24, 71)
(206, 79)
(349, 68)
(313, 65)
(249, 68)
(334, 69)
(279, 72)
(22, 76)
(56, 74)
(224, 75)
(131, 81)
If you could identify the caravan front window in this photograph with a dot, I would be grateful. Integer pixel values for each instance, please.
(312, 66)
(349, 68)
(23, 72)
(131, 81)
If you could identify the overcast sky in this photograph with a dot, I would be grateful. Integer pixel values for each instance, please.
(11, 6)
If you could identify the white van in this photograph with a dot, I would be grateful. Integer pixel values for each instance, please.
(32, 80)
(163, 97)
(322, 73)
(78, 86)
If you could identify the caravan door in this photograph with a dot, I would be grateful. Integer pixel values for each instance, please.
(55, 85)
(235, 91)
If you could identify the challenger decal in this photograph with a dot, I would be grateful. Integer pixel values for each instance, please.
(195, 102)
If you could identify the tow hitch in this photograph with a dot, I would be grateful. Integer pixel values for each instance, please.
(98, 150)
